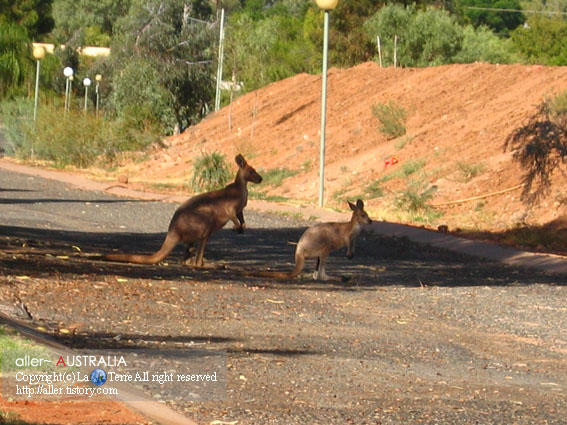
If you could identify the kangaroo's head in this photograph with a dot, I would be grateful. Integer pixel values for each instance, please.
(246, 172)
(358, 213)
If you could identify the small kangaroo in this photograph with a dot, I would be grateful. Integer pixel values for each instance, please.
(320, 240)
(200, 216)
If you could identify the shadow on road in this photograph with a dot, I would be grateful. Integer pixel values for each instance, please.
(379, 261)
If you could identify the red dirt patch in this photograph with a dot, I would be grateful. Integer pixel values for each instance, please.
(79, 412)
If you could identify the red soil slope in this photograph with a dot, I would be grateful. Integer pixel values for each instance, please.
(459, 116)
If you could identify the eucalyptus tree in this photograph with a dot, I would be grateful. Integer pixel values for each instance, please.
(163, 61)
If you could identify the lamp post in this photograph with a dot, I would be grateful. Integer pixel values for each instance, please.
(86, 83)
(38, 54)
(98, 79)
(68, 73)
(326, 6)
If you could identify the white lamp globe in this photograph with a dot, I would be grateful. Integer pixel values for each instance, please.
(87, 81)
(68, 72)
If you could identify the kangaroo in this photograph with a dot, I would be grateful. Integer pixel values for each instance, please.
(200, 216)
(320, 240)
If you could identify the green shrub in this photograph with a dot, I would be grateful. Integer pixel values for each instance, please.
(276, 176)
(558, 109)
(411, 166)
(393, 117)
(71, 138)
(210, 172)
(374, 190)
(416, 197)
(470, 171)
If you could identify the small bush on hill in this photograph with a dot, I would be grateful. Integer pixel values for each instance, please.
(392, 116)
(210, 172)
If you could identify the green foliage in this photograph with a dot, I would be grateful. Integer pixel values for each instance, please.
(543, 41)
(392, 116)
(501, 21)
(33, 15)
(481, 44)
(179, 50)
(469, 171)
(412, 166)
(70, 139)
(415, 198)
(15, 54)
(276, 176)
(433, 37)
(374, 190)
(349, 44)
(139, 98)
(210, 172)
(265, 50)
(391, 20)
(95, 17)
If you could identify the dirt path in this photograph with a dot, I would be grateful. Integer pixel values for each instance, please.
(418, 335)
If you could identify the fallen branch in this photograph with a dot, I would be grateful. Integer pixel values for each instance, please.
(475, 198)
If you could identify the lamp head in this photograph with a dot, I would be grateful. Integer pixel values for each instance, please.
(38, 52)
(98, 78)
(326, 4)
(87, 81)
(68, 72)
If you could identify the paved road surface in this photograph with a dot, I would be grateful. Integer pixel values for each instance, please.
(418, 334)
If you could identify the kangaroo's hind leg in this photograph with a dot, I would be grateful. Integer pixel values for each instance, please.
(188, 254)
(320, 273)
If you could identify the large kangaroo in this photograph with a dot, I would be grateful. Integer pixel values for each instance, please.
(200, 216)
(320, 240)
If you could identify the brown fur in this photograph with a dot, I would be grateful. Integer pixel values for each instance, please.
(320, 240)
(198, 217)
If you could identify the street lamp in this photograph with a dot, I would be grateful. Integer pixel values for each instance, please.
(98, 79)
(326, 6)
(68, 73)
(38, 54)
(86, 83)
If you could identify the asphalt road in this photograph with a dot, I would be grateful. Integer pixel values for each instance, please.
(417, 335)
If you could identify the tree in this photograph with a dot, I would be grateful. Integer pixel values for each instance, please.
(481, 44)
(543, 40)
(269, 49)
(426, 37)
(501, 21)
(174, 42)
(96, 18)
(15, 56)
(33, 15)
(349, 44)
(390, 21)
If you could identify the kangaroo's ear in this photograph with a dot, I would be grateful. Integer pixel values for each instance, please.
(240, 161)
(359, 204)
(352, 206)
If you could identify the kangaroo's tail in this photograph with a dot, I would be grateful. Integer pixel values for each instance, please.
(299, 264)
(169, 243)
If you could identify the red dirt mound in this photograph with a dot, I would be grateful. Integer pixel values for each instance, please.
(459, 117)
